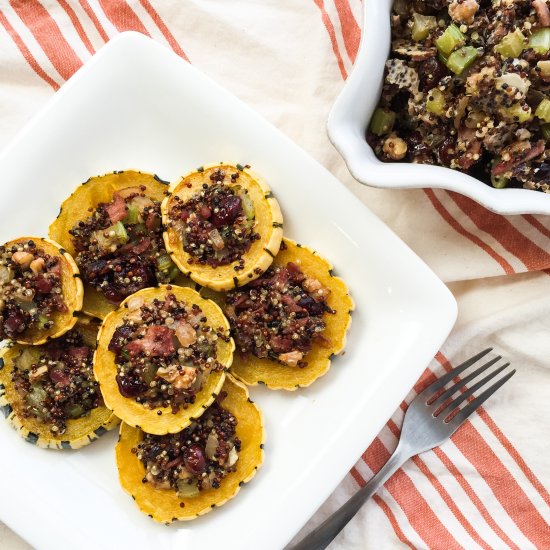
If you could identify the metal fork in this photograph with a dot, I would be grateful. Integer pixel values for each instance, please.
(431, 418)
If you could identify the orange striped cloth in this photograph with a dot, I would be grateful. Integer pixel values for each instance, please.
(488, 486)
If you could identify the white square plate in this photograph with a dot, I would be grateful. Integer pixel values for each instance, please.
(137, 105)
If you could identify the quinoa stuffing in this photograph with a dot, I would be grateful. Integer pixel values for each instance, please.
(218, 223)
(467, 86)
(56, 381)
(279, 315)
(195, 459)
(120, 249)
(164, 350)
(31, 290)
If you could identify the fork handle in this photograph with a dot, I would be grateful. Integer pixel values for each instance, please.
(323, 535)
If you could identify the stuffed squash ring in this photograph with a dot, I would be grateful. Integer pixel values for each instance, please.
(49, 393)
(40, 290)
(223, 226)
(161, 358)
(189, 480)
(112, 226)
(289, 323)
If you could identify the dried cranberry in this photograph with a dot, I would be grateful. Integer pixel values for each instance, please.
(14, 323)
(130, 387)
(158, 341)
(42, 285)
(229, 210)
(430, 72)
(290, 305)
(153, 221)
(119, 336)
(59, 377)
(400, 101)
(280, 345)
(93, 270)
(79, 354)
(113, 295)
(313, 307)
(135, 249)
(195, 460)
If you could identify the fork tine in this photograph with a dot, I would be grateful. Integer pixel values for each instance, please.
(453, 389)
(479, 400)
(470, 391)
(440, 382)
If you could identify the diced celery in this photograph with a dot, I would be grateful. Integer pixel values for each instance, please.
(516, 113)
(115, 234)
(546, 132)
(27, 359)
(132, 216)
(499, 182)
(187, 490)
(540, 41)
(436, 102)
(422, 25)
(24, 303)
(512, 44)
(543, 110)
(174, 273)
(164, 262)
(544, 68)
(450, 40)
(148, 372)
(167, 270)
(76, 410)
(247, 205)
(120, 232)
(140, 229)
(461, 59)
(36, 397)
(42, 320)
(382, 121)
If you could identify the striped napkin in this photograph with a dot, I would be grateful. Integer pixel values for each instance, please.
(488, 486)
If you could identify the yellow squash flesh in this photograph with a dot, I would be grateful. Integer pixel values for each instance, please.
(72, 293)
(253, 370)
(269, 225)
(163, 505)
(80, 431)
(97, 190)
(132, 412)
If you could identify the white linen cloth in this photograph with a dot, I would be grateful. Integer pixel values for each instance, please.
(488, 486)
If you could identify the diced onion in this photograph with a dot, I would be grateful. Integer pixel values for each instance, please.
(216, 238)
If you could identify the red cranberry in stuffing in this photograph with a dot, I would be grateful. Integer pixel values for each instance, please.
(14, 324)
(42, 285)
(130, 387)
(118, 339)
(59, 377)
(430, 72)
(195, 460)
(229, 210)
